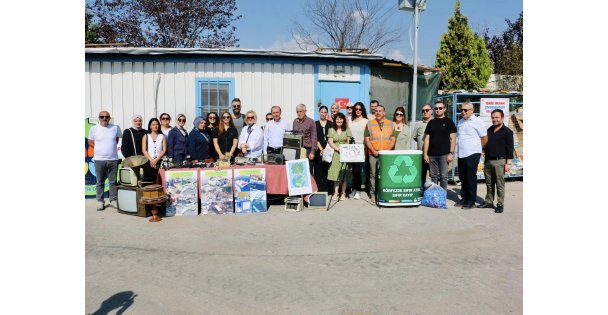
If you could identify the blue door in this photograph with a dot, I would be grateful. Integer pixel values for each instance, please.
(344, 92)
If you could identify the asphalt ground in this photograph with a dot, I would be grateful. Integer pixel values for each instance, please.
(353, 259)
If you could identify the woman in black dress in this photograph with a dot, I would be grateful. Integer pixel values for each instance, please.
(225, 138)
(320, 167)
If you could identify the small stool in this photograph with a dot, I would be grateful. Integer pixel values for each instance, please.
(155, 202)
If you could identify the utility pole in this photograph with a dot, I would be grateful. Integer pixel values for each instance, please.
(415, 6)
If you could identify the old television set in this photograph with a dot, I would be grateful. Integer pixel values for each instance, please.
(292, 140)
(127, 177)
(128, 200)
(290, 154)
(318, 200)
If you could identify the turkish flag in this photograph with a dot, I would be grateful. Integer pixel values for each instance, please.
(343, 102)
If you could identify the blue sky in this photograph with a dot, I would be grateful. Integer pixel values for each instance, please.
(266, 24)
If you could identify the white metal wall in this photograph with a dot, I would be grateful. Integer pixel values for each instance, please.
(128, 88)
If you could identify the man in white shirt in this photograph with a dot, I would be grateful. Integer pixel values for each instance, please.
(274, 131)
(472, 138)
(251, 140)
(104, 138)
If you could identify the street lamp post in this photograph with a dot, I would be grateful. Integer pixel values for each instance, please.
(415, 6)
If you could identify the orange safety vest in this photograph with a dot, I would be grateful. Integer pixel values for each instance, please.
(380, 138)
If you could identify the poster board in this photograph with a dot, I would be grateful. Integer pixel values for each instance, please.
(182, 190)
(352, 153)
(487, 105)
(216, 191)
(298, 177)
(249, 190)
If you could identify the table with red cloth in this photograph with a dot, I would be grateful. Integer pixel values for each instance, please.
(276, 177)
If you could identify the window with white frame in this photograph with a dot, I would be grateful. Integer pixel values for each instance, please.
(213, 95)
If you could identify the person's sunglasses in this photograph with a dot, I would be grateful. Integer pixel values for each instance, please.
(438, 108)
(165, 118)
(268, 119)
(104, 117)
(359, 109)
(212, 117)
(226, 117)
(464, 109)
(426, 110)
(181, 120)
(250, 117)
(398, 114)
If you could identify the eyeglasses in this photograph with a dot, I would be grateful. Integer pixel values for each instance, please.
(165, 118)
(438, 108)
(268, 119)
(398, 114)
(226, 117)
(426, 110)
(358, 109)
(181, 120)
(237, 106)
(465, 109)
(250, 117)
(212, 117)
(104, 117)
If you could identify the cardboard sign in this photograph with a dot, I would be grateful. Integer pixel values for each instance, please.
(352, 153)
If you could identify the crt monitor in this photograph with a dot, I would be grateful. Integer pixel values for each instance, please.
(127, 177)
(317, 200)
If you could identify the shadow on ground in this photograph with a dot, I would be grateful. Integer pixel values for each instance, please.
(120, 301)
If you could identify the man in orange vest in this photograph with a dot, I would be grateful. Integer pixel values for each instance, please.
(379, 135)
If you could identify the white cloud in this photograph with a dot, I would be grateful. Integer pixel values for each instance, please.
(396, 54)
(288, 45)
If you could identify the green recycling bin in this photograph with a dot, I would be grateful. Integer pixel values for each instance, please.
(399, 178)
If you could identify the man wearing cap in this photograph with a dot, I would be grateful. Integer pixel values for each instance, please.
(103, 137)
(498, 154)
(472, 138)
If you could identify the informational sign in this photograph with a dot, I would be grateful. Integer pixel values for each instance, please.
(249, 190)
(352, 153)
(298, 177)
(487, 105)
(216, 192)
(399, 177)
(182, 188)
(343, 102)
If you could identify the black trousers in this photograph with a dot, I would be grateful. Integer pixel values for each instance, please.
(320, 172)
(467, 171)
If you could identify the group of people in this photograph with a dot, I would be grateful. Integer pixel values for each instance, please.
(224, 137)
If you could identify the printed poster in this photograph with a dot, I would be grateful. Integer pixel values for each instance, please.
(250, 190)
(487, 105)
(352, 153)
(182, 192)
(298, 177)
(216, 191)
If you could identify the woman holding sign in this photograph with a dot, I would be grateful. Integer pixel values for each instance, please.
(339, 172)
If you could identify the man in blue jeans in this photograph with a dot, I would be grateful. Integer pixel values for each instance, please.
(439, 143)
(472, 138)
(103, 137)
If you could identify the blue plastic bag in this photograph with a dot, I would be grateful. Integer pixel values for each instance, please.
(435, 197)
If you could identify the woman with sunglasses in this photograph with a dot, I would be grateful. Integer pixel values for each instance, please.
(321, 168)
(335, 108)
(251, 140)
(199, 141)
(213, 121)
(225, 138)
(357, 126)
(402, 131)
(154, 146)
(340, 173)
(177, 141)
(165, 123)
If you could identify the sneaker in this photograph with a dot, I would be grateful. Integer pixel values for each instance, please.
(113, 204)
(357, 196)
(100, 205)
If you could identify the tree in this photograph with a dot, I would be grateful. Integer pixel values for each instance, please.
(507, 50)
(167, 23)
(463, 54)
(344, 25)
(91, 35)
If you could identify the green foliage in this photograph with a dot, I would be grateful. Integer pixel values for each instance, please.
(91, 35)
(463, 54)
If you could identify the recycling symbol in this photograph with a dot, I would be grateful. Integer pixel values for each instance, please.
(408, 165)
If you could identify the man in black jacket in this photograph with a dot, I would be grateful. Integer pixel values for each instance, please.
(498, 155)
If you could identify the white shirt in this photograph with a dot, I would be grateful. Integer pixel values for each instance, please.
(273, 133)
(105, 142)
(358, 128)
(470, 132)
(155, 147)
(255, 140)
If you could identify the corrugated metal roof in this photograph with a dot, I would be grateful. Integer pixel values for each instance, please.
(230, 52)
